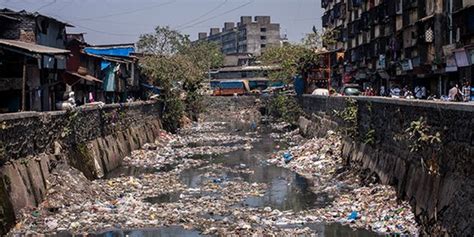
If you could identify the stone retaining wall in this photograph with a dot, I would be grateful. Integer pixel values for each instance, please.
(93, 140)
(442, 202)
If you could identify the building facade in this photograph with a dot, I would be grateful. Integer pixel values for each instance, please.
(401, 42)
(245, 37)
(32, 60)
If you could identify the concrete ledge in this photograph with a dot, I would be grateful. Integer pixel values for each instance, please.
(404, 102)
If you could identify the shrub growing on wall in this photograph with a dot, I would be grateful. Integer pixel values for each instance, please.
(285, 108)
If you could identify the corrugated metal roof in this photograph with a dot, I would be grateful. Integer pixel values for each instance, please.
(6, 11)
(86, 77)
(8, 17)
(31, 48)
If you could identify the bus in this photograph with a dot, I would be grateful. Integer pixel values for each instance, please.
(231, 87)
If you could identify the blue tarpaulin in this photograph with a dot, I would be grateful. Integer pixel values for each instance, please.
(112, 51)
(109, 79)
(152, 88)
(299, 84)
(104, 65)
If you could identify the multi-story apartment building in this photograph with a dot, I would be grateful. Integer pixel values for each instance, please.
(402, 42)
(245, 37)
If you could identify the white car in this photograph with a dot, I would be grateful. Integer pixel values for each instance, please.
(320, 91)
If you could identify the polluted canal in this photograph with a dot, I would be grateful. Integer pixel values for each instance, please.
(210, 179)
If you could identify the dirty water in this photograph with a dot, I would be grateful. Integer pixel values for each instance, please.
(126, 171)
(323, 230)
(286, 190)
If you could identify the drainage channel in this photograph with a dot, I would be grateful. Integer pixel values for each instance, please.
(286, 190)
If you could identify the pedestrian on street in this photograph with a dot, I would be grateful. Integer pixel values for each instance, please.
(382, 91)
(466, 91)
(418, 93)
(455, 94)
(423, 92)
(395, 92)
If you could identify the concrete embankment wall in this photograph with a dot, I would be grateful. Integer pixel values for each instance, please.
(442, 202)
(93, 140)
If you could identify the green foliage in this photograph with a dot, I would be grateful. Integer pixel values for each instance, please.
(285, 108)
(292, 60)
(173, 111)
(370, 137)
(296, 58)
(179, 67)
(350, 116)
(421, 139)
(72, 117)
(164, 41)
(420, 135)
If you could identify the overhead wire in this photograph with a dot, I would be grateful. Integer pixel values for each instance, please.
(94, 30)
(126, 12)
(46, 5)
(213, 17)
(203, 15)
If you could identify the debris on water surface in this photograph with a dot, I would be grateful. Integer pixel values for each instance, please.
(77, 205)
(372, 207)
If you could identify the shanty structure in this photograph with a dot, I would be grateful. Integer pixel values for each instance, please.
(32, 59)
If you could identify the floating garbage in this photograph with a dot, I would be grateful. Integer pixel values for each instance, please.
(79, 206)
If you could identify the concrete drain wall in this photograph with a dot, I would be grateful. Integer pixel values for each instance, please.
(93, 140)
(442, 202)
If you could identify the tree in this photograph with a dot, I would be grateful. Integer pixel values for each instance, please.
(297, 58)
(179, 67)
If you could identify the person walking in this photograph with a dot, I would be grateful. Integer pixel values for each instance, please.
(455, 94)
(382, 91)
(418, 92)
(466, 91)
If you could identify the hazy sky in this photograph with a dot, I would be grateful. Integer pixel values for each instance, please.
(122, 21)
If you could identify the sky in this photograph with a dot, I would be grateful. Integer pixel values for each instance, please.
(123, 21)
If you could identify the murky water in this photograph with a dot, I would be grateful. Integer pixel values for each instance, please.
(286, 189)
(323, 230)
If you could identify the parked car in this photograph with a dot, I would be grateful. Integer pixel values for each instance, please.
(321, 91)
(351, 90)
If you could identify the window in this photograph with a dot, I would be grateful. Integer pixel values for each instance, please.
(263, 29)
(263, 37)
(263, 46)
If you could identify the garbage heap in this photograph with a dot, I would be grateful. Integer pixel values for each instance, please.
(76, 205)
(356, 202)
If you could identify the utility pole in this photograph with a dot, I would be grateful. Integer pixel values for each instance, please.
(450, 20)
(329, 72)
(23, 87)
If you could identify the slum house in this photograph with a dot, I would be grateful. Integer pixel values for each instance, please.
(82, 72)
(118, 71)
(400, 42)
(32, 59)
(463, 30)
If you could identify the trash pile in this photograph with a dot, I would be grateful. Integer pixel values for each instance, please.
(372, 207)
(198, 140)
(213, 199)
